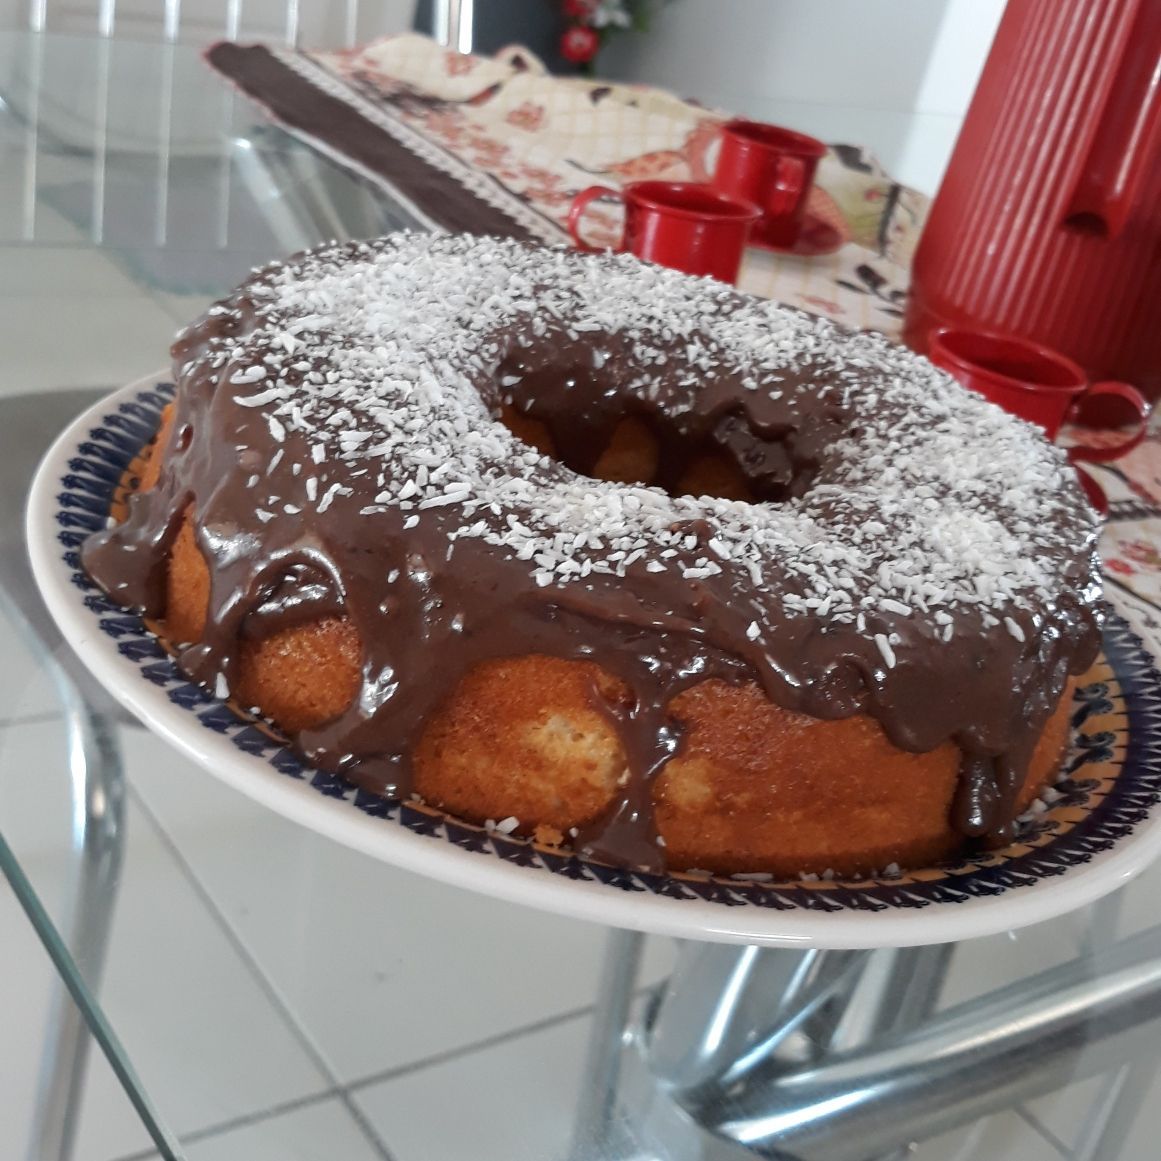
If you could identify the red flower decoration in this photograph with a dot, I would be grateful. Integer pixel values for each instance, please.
(1121, 567)
(579, 9)
(579, 44)
(526, 116)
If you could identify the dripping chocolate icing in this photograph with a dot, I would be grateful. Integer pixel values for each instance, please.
(430, 601)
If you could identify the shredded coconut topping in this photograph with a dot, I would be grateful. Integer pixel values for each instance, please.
(370, 354)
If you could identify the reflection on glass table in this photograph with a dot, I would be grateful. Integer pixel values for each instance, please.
(140, 150)
(255, 990)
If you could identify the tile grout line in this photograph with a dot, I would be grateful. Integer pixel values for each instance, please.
(1035, 1123)
(243, 1121)
(314, 1053)
(257, 1116)
(32, 719)
(481, 1045)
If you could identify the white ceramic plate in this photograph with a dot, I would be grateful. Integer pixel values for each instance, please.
(1102, 830)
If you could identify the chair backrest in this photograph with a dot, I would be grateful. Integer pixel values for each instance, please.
(311, 23)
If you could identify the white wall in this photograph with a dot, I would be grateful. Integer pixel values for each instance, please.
(895, 75)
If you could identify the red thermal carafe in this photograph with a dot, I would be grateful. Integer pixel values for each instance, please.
(1048, 222)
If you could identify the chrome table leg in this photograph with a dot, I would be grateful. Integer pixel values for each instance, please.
(596, 1111)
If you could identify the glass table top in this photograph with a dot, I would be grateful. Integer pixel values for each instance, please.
(254, 990)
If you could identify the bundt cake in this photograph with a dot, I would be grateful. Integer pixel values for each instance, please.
(616, 558)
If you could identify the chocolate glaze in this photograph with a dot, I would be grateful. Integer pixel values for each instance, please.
(429, 604)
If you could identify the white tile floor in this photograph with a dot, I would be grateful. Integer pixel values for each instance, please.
(523, 966)
(528, 1114)
(327, 1007)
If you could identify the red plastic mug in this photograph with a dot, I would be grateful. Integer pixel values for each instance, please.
(1036, 383)
(773, 168)
(680, 224)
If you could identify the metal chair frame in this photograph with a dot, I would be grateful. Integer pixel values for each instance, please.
(454, 20)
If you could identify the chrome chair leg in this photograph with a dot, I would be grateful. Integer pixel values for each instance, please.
(898, 989)
(883, 1068)
(79, 938)
(727, 1010)
(97, 781)
(1115, 1108)
(1075, 1020)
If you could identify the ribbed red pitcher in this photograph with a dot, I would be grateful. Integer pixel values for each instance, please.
(1048, 222)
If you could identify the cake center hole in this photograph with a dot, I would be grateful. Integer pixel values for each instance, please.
(633, 451)
(724, 457)
(573, 407)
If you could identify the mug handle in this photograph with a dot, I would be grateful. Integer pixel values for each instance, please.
(1112, 389)
(581, 203)
(789, 180)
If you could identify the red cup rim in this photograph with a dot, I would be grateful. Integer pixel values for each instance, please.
(656, 195)
(938, 344)
(767, 136)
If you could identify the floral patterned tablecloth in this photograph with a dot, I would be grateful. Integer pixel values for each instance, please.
(1131, 543)
(496, 145)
